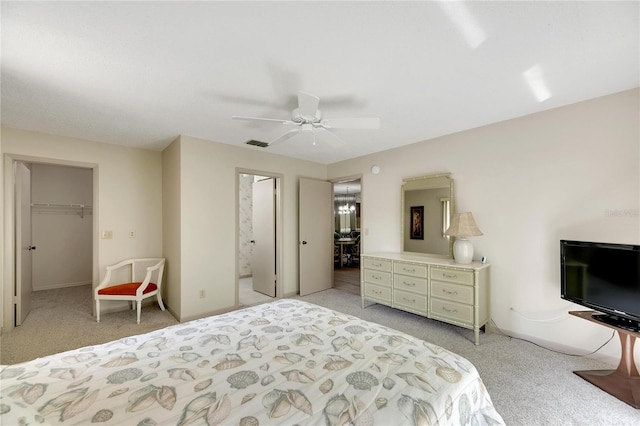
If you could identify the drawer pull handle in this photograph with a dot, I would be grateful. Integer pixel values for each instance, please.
(408, 284)
(412, 270)
(376, 292)
(409, 300)
(378, 265)
(375, 277)
(453, 277)
(454, 293)
(451, 311)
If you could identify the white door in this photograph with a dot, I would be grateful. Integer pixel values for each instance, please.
(24, 248)
(315, 248)
(263, 263)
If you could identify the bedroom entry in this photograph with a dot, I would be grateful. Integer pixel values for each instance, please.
(257, 238)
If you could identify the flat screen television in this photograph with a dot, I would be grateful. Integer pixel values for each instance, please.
(604, 277)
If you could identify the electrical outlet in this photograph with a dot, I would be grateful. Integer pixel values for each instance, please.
(132, 234)
(107, 235)
(202, 294)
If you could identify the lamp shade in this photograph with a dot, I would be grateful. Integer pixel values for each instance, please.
(463, 225)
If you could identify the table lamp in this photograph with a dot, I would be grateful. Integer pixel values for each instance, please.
(462, 227)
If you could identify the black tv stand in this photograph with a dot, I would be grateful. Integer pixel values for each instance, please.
(618, 322)
(623, 382)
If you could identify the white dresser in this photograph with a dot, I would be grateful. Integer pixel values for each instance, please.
(432, 287)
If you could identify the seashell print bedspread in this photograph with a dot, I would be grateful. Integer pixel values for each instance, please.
(282, 363)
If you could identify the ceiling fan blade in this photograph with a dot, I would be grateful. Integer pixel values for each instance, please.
(308, 105)
(284, 137)
(351, 123)
(242, 117)
(330, 138)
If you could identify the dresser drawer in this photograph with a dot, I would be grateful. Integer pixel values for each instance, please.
(376, 292)
(377, 264)
(412, 301)
(453, 292)
(451, 311)
(451, 275)
(410, 269)
(377, 277)
(405, 282)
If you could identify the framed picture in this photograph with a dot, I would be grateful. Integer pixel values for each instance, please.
(417, 223)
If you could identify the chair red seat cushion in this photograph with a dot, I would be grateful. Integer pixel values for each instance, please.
(128, 289)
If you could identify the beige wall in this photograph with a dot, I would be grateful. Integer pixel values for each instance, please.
(208, 196)
(3, 264)
(128, 184)
(171, 236)
(567, 173)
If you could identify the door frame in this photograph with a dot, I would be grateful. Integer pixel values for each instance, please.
(279, 205)
(9, 226)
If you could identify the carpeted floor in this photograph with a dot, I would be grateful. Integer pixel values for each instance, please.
(61, 320)
(529, 385)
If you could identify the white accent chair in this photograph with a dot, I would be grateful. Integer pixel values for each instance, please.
(134, 291)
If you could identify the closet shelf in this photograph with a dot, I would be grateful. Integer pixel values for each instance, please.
(53, 208)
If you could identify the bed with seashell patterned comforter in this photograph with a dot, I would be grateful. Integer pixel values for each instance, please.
(286, 362)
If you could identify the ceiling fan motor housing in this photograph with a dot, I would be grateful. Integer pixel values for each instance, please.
(298, 117)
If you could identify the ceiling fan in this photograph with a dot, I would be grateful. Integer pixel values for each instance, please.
(308, 118)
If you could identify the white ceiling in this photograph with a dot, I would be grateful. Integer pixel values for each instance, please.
(140, 74)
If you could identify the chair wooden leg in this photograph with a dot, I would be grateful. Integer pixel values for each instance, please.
(160, 302)
(139, 308)
(97, 310)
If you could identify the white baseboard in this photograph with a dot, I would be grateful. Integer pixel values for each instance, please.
(555, 346)
(39, 287)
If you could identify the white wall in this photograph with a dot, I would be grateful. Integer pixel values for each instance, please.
(208, 220)
(128, 184)
(62, 235)
(567, 173)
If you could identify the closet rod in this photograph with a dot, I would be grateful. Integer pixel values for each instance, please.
(61, 205)
(82, 207)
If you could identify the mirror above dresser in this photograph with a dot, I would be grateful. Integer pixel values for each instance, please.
(427, 205)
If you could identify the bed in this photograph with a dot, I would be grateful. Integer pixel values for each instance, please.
(286, 362)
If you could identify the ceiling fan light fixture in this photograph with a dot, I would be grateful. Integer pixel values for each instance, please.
(298, 116)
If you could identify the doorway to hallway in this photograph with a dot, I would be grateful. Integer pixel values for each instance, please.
(347, 195)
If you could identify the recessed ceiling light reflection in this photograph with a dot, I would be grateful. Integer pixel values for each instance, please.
(535, 80)
(458, 13)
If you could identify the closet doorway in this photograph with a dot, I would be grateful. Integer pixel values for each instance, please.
(258, 241)
(53, 232)
(347, 203)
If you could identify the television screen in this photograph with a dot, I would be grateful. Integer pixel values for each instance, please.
(604, 277)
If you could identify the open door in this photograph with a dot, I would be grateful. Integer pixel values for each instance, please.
(263, 262)
(23, 250)
(315, 250)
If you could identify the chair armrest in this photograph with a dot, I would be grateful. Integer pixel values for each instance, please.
(105, 281)
(147, 277)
